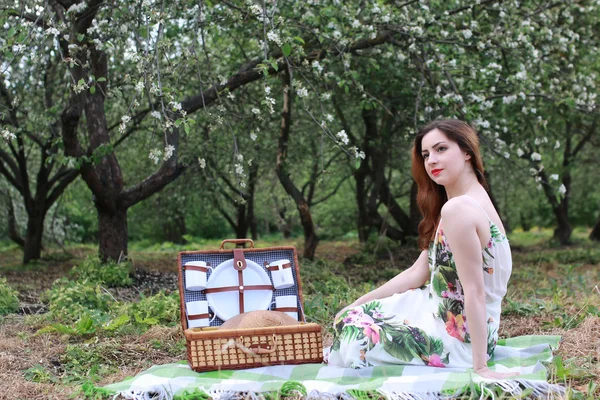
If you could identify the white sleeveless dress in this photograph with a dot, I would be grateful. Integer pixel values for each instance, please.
(425, 326)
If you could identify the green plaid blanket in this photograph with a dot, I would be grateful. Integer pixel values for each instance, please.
(525, 354)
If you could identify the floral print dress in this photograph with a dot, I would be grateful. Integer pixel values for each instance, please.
(425, 326)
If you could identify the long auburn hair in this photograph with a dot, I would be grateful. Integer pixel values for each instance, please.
(431, 196)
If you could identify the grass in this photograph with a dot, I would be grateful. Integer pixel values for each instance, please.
(552, 291)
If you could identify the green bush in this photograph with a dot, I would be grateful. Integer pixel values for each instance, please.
(69, 300)
(110, 274)
(9, 302)
(160, 309)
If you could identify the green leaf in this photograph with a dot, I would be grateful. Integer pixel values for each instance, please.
(287, 50)
(81, 82)
(186, 128)
(275, 65)
(11, 32)
(101, 79)
(92, 89)
(178, 122)
(357, 165)
(299, 39)
(80, 37)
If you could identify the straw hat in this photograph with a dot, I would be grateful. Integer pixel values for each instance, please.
(259, 319)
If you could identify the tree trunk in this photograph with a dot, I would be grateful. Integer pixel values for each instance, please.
(363, 225)
(595, 234)
(563, 231)
(241, 227)
(112, 233)
(311, 240)
(35, 231)
(13, 233)
(415, 213)
(310, 235)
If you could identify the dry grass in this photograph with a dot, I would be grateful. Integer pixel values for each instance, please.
(565, 291)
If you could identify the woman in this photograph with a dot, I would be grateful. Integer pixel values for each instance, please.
(453, 321)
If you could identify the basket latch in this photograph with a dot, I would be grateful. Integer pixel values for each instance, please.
(239, 261)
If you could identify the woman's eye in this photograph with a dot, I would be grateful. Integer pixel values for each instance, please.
(425, 156)
(440, 149)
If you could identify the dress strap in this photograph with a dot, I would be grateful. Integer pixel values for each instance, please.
(478, 205)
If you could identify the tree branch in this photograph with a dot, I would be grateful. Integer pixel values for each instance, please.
(248, 72)
(314, 203)
(65, 180)
(586, 138)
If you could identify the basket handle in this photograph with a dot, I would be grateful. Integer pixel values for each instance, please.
(237, 241)
(256, 350)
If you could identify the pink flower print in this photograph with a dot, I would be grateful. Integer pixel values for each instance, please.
(454, 292)
(455, 326)
(352, 316)
(435, 361)
(365, 320)
(378, 315)
(372, 332)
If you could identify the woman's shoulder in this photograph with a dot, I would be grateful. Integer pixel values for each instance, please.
(458, 205)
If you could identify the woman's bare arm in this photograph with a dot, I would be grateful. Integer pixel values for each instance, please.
(460, 223)
(411, 278)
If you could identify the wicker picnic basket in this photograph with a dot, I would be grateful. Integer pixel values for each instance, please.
(210, 348)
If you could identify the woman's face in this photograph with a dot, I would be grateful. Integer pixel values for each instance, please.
(444, 160)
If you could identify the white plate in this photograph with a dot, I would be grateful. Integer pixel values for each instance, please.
(226, 304)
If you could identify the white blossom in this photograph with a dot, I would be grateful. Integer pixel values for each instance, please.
(326, 96)
(533, 171)
(273, 36)
(536, 156)
(343, 137)
(125, 119)
(554, 177)
(52, 31)
(358, 153)
(253, 136)
(255, 111)
(267, 90)
(176, 106)
(329, 117)
(557, 145)
(355, 23)
(77, 8)
(562, 189)
(521, 75)
(509, 99)
(467, 33)
(202, 162)
(8, 135)
(239, 169)
(169, 150)
(317, 66)
(520, 152)
(155, 114)
(139, 87)
(302, 92)
(477, 99)
(155, 155)
(239, 157)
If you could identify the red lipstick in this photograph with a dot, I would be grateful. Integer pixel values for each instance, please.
(436, 172)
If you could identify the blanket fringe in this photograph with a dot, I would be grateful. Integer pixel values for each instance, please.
(154, 393)
(540, 390)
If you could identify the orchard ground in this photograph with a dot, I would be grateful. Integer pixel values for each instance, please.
(553, 290)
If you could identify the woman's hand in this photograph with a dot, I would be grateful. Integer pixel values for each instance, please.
(485, 372)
